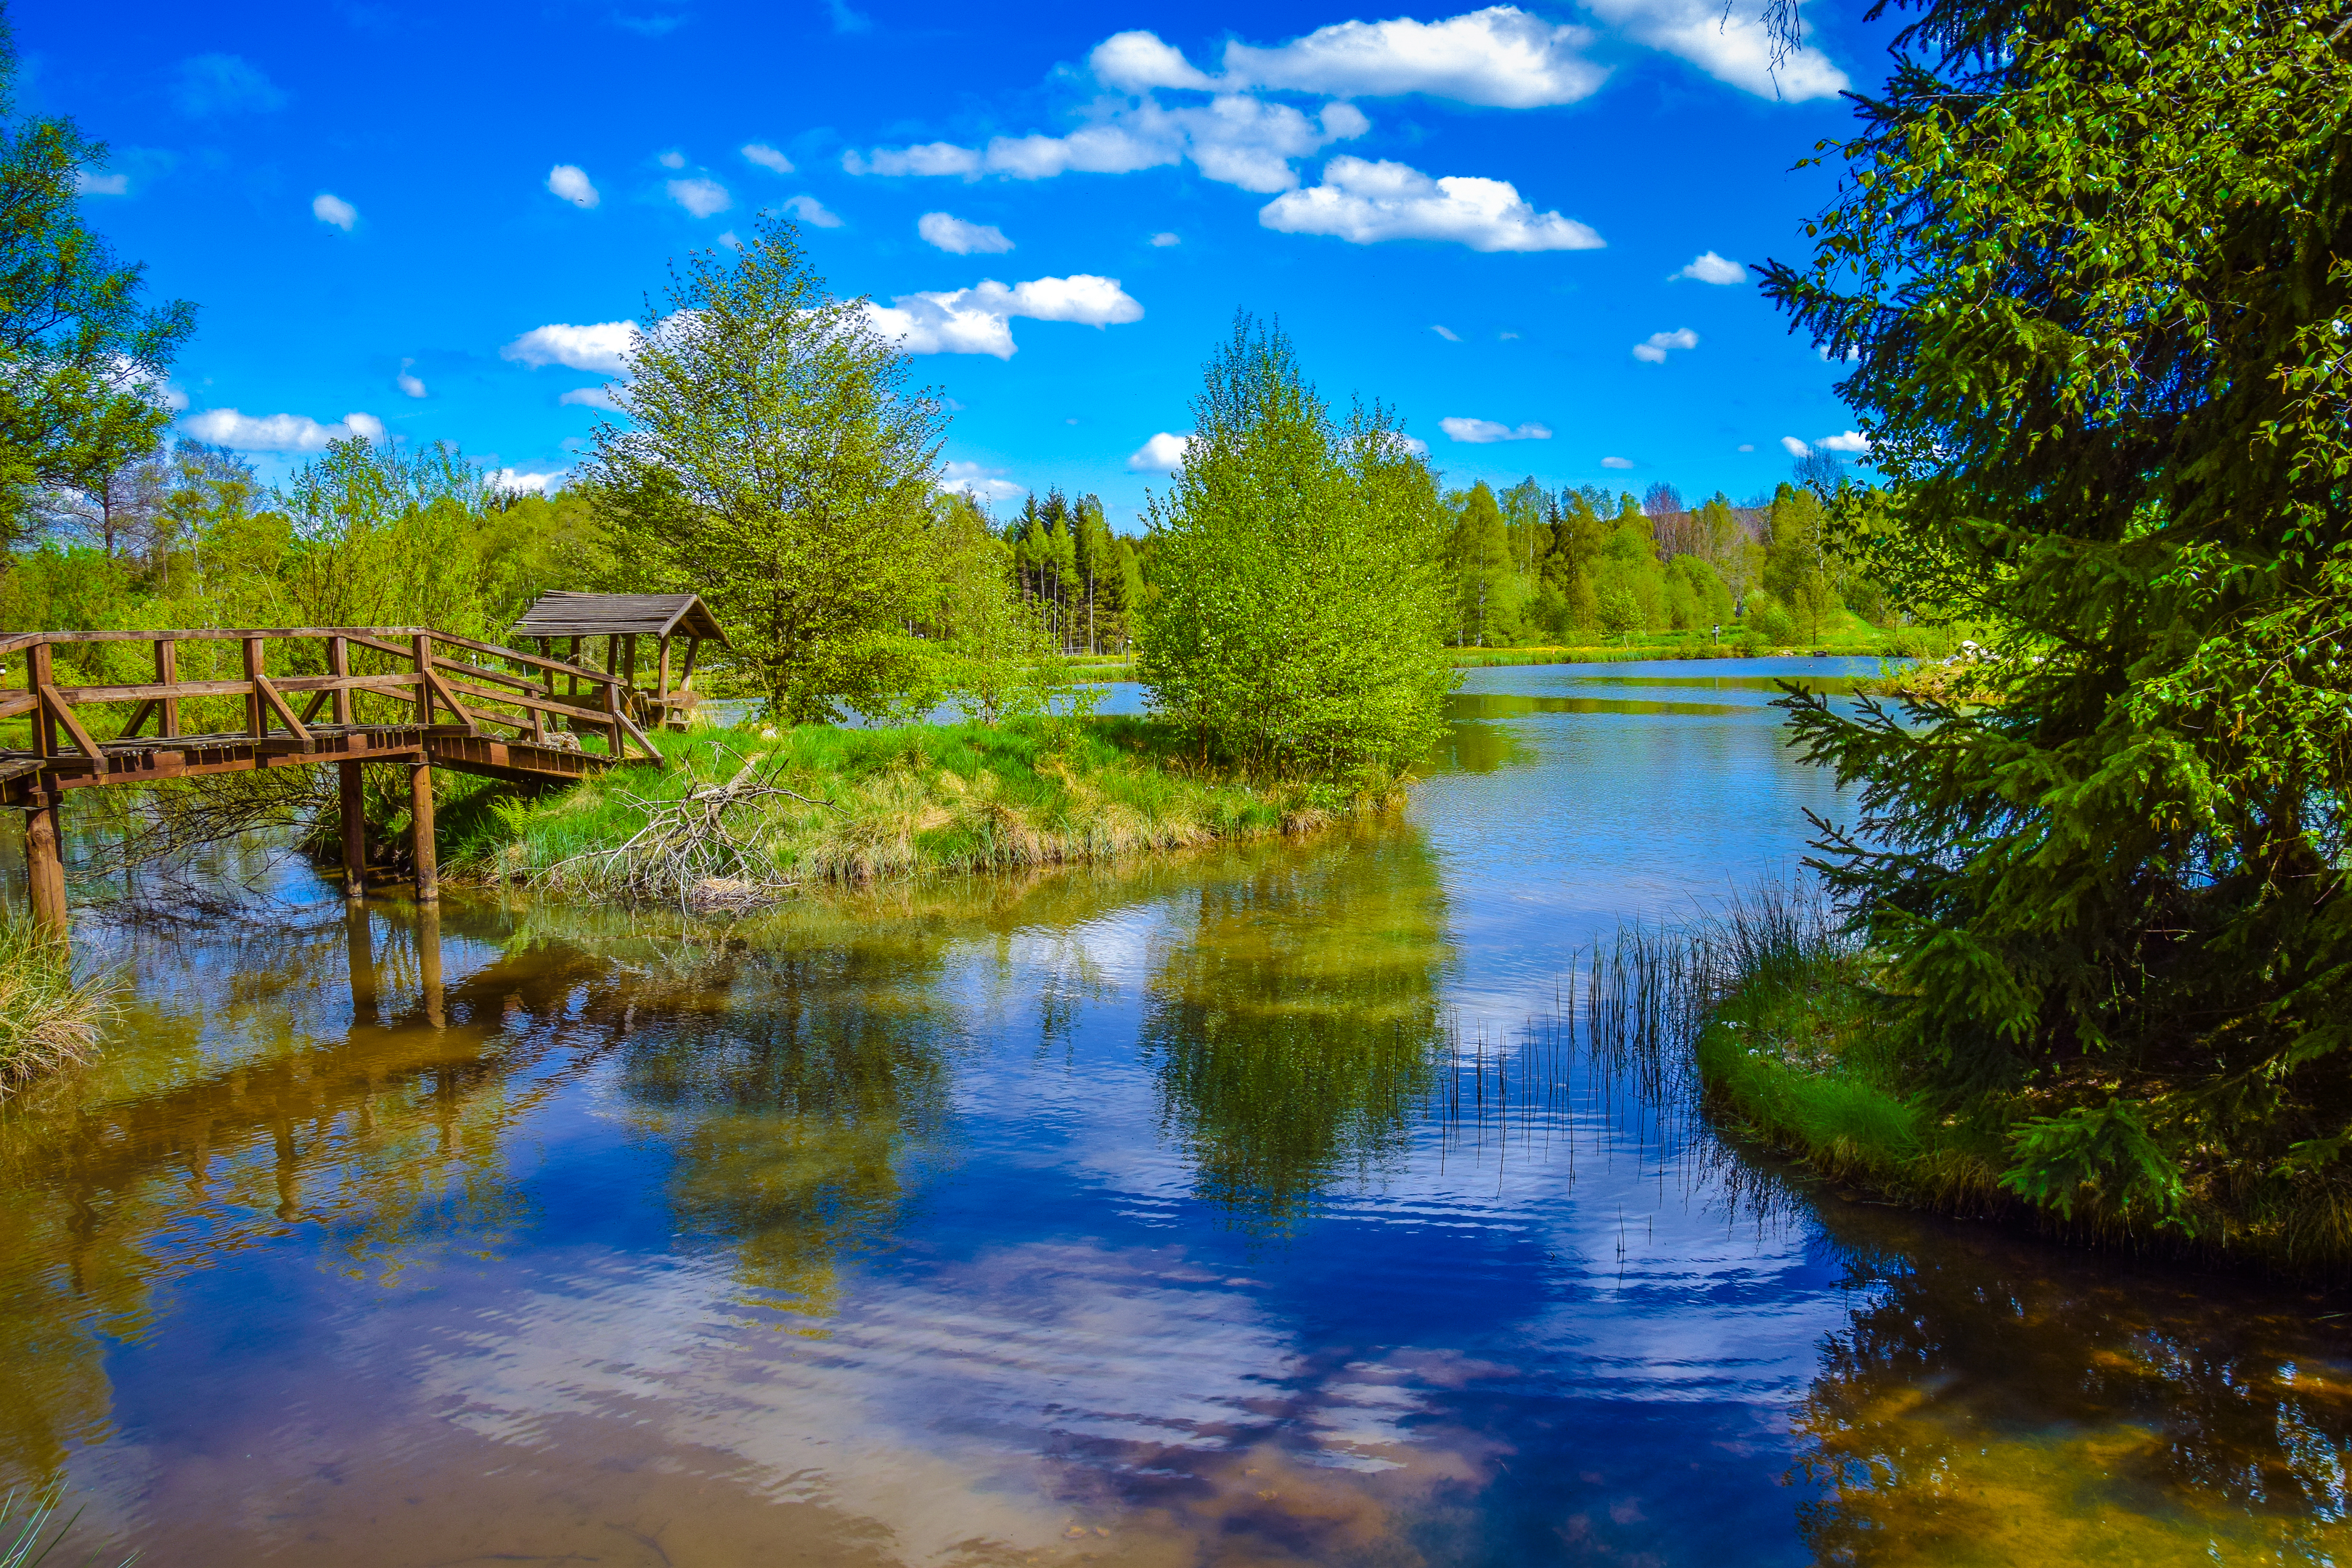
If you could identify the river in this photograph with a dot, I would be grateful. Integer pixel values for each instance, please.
(1242, 1207)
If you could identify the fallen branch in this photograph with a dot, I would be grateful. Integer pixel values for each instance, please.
(686, 854)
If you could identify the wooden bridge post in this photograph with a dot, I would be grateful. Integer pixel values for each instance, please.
(339, 665)
(420, 815)
(167, 673)
(351, 802)
(423, 647)
(257, 720)
(45, 868)
(45, 723)
(428, 965)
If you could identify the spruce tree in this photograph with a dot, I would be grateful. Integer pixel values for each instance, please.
(2093, 263)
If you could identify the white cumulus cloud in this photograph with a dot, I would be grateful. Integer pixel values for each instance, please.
(767, 157)
(604, 346)
(591, 397)
(956, 237)
(1166, 237)
(1616, 462)
(1365, 202)
(1852, 441)
(1162, 453)
(1654, 350)
(571, 182)
(1481, 432)
(977, 321)
(1235, 139)
(700, 197)
(673, 159)
(91, 184)
(1501, 57)
(1448, 334)
(813, 212)
(1794, 447)
(334, 209)
(1138, 61)
(977, 482)
(529, 482)
(277, 432)
(407, 381)
(1707, 266)
(1731, 46)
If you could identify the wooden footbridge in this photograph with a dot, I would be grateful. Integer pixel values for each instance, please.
(308, 694)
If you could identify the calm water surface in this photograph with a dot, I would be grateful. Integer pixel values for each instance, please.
(1244, 1208)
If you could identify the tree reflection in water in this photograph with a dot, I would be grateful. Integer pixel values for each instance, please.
(1294, 1023)
(2002, 1402)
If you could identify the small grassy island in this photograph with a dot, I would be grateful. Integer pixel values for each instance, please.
(737, 815)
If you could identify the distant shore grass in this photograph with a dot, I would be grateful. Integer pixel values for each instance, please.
(48, 1019)
(1799, 1052)
(887, 803)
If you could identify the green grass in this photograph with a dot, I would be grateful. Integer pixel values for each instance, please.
(1798, 1050)
(886, 803)
(48, 1019)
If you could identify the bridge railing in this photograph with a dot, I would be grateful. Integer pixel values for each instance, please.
(340, 676)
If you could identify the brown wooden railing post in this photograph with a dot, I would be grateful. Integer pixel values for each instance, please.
(420, 815)
(423, 645)
(45, 868)
(256, 721)
(613, 723)
(339, 665)
(167, 673)
(37, 675)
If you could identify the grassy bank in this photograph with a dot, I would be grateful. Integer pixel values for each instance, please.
(741, 816)
(1798, 1050)
(48, 1019)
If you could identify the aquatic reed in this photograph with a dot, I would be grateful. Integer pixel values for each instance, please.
(48, 1018)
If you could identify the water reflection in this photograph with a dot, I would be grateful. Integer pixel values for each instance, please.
(1993, 1403)
(1295, 1019)
(1116, 1213)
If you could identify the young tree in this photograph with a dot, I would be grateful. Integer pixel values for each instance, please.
(1301, 604)
(1796, 562)
(82, 359)
(1485, 588)
(777, 460)
(992, 654)
(2090, 267)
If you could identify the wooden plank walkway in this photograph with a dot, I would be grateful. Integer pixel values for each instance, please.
(405, 695)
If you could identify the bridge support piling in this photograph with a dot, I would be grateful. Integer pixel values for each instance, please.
(420, 813)
(353, 806)
(45, 868)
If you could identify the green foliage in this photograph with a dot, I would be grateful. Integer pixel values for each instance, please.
(82, 359)
(990, 652)
(48, 1018)
(777, 461)
(2088, 260)
(1486, 586)
(1300, 604)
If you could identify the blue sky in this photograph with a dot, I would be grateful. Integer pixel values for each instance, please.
(1510, 223)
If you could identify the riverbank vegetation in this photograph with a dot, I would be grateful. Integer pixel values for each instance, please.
(737, 817)
(48, 1018)
(2099, 907)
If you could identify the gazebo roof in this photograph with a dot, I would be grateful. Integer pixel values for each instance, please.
(561, 614)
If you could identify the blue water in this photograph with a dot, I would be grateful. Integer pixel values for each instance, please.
(1128, 1215)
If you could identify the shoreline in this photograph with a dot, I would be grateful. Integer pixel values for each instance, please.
(741, 819)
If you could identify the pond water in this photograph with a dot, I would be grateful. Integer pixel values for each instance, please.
(1251, 1208)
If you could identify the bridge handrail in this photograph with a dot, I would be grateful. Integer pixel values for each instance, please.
(53, 705)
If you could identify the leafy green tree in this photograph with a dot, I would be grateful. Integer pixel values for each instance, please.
(777, 460)
(2091, 262)
(992, 654)
(1797, 561)
(82, 358)
(1485, 585)
(1300, 602)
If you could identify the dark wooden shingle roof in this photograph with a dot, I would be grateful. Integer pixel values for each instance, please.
(560, 614)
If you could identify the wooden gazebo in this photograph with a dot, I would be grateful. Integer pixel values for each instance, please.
(621, 619)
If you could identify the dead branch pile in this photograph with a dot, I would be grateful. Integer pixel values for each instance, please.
(685, 853)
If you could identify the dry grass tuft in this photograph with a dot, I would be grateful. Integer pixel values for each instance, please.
(48, 1019)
